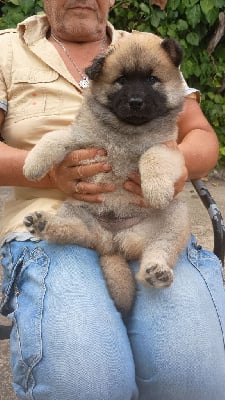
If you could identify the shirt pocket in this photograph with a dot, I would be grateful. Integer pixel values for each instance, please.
(33, 92)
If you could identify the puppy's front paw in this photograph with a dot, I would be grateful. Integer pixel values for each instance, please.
(158, 193)
(155, 275)
(34, 171)
(36, 223)
(160, 168)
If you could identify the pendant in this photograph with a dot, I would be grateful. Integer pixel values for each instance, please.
(84, 83)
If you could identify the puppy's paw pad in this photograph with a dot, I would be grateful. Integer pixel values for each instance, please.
(156, 275)
(35, 222)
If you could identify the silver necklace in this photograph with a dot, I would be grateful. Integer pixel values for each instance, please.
(84, 82)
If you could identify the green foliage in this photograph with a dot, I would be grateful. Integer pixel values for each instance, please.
(14, 11)
(192, 22)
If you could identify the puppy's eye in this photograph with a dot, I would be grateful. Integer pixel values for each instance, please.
(152, 79)
(121, 80)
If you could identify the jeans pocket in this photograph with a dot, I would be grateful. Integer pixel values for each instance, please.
(25, 267)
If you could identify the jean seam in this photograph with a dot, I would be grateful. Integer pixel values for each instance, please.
(14, 275)
(34, 255)
(28, 257)
(193, 256)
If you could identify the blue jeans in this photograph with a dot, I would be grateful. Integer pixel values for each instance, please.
(69, 342)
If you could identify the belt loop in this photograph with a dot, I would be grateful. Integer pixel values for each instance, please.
(192, 251)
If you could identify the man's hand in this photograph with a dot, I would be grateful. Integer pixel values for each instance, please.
(69, 176)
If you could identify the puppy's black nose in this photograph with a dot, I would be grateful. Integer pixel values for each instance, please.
(136, 103)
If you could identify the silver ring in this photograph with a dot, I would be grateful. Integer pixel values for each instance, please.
(78, 172)
(76, 188)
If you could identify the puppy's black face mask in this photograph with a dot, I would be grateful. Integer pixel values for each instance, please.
(138, 100)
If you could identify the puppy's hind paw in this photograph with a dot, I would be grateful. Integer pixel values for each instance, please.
(155, 275)
(36, 223)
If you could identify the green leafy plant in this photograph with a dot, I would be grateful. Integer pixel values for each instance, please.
(194, 23)
(14, 11)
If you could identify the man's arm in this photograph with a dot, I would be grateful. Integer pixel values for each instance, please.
(197, 140)
(62, 176)
(11, 166)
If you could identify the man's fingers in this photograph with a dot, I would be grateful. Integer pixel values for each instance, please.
(133, 188)
(73, 159)
(87, 188)
(135, 177)
(85, 171)
(141, 202)
(90, 198)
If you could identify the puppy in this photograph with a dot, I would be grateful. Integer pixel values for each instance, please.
(131, 109)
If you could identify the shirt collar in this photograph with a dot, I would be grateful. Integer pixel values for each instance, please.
(36, 27)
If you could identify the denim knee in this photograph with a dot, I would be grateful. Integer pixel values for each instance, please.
(68, 340)
(177, 334)
(87, 380)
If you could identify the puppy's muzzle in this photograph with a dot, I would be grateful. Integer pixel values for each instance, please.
(136, 103)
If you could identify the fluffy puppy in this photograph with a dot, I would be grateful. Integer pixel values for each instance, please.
(130, 109)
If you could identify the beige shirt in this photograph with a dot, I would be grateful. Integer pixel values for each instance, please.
(38, 94)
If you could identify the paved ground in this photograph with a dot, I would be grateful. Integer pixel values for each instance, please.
(201, 227)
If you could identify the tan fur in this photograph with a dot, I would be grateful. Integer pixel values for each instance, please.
(116, 228)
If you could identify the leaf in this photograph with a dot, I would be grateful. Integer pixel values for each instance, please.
(182, 25)
(206, 6)
(173, 4)
(155, 20)
(27, 5)
(222, 151)
(193, 38)
(211, 16)
(145, 8)
(15, 2)
(193, 15)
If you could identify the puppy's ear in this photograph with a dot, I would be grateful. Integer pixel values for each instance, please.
(95, 68)
(174, 50)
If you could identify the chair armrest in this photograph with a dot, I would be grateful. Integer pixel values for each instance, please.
(215, 216)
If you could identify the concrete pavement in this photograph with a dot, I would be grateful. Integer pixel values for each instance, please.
(201, 227)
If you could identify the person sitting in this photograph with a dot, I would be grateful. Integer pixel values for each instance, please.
(68, 340)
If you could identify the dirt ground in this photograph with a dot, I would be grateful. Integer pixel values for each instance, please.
(201, 227)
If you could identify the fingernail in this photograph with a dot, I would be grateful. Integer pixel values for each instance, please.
(133, 175)
(107, 167)
(127, 185)
(101, 198)
(101, 152)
